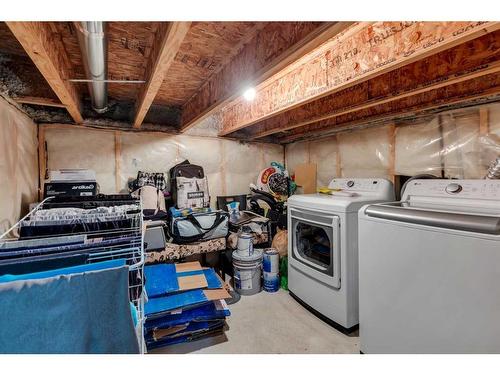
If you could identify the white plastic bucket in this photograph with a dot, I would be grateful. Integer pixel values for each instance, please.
(245, 244)
(247, 272)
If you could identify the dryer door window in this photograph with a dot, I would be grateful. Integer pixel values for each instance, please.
(314, 243)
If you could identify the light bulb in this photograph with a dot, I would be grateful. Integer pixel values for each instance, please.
(249, 94)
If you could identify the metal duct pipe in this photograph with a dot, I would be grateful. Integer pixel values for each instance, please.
(93, 44)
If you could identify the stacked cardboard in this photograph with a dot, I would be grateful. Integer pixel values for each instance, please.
(185, 303)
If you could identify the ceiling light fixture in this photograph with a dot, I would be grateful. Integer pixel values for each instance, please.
(249, 94)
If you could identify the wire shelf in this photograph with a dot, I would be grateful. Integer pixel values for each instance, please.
(100, 247)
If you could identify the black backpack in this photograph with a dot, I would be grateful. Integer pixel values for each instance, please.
(189, 186)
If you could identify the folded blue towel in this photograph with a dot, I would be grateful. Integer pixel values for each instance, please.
(87, 312)
(64, 271)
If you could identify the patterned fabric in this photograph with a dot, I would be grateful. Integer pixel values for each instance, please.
(175, 252)
(151, 178)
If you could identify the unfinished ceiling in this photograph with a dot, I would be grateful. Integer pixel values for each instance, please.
(311, 78)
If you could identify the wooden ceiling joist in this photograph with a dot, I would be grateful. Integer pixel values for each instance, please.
(473, 59)
(276, 45)
(47, 102)
(168, 39)
(463, 93)
(48, 54)
(361, 52)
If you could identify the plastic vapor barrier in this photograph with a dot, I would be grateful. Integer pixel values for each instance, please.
(455, 144)
(116, 156)
(18, 164)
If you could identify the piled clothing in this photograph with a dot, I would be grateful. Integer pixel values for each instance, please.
(186, 302)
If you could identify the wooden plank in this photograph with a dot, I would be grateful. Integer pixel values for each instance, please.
(39, 101)
(484, 127)
(391, 129)
(277, 45)
(473, 59)
(49, 56)
(362, 52)
(339, 160)
(168, 39)
(42, 161)
(118, 158)
(456, 95)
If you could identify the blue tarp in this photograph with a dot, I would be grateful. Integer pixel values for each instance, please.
(158, 305)
(162, 279)
(206, 312)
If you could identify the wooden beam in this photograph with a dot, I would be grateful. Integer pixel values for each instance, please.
(276, 46)
(118, 164)
(362, 52)
(49, 56)
(168, 39)
(39, 101)
(475, 58)
(484, 127)
(391, 129)
(42, 161)
(450, 80)
(465, 93)
(338, 159)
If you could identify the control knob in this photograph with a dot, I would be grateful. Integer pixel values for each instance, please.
(350, 183)
(453, 188)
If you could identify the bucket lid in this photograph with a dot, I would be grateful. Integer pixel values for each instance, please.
(271, 251)
(257, 254)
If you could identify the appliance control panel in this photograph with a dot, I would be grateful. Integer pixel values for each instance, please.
(466, 189)
(361, 184)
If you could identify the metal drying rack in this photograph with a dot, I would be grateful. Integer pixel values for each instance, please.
(132, 251)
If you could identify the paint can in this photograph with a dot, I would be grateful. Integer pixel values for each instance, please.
(271, 282)
(247, 272)
(270, 265)
(245, 243)
(271, 260)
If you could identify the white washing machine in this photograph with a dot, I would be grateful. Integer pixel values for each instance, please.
(323, 247)
(430, 269)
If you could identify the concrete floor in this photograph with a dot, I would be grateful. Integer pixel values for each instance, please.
(271, 323)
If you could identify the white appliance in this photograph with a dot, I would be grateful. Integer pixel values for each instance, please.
(430, 269)
(323, 247)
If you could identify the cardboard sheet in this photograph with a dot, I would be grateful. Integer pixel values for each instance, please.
(305, 177)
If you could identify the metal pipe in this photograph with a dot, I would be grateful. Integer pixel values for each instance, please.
(93, 44)
(134, 81)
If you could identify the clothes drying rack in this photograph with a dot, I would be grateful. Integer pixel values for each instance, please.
(131, 250)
